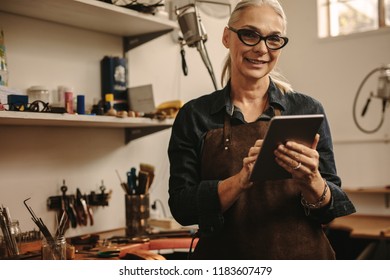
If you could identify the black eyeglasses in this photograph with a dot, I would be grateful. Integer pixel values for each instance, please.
(252, 38)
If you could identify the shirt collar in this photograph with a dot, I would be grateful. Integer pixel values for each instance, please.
(222, 100)
(276, 98)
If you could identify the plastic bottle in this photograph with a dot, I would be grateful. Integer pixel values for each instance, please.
(3, 61)
(110, 100)
(80, 104)
(69, 102)
(58, 98)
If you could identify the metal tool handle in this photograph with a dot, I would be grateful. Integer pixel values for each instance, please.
(183, 61)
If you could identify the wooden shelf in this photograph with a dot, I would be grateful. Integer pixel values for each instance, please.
(385, 190)
(135, 28)
(134, 127)
(372, 190)
(90, 14)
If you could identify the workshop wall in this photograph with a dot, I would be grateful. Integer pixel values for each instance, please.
(331, 70)
(35, 160)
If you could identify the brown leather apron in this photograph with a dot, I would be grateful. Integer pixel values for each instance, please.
(267, 221)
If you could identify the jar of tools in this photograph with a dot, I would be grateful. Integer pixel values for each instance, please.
(16, 232)
(137, 215)
(10, 245)
(56, 251)
(3, 248)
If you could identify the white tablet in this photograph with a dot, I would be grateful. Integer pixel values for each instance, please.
(299, 128)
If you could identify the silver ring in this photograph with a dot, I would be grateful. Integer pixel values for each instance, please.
(298, 166)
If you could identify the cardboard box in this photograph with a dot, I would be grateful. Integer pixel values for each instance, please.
(141, 99)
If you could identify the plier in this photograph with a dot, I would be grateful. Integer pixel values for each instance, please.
(67, 206)
(81, 209)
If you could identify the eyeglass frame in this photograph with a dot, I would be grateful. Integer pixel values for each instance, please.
(261, 38)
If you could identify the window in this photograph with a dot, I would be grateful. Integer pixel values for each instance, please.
(387, 12)
(342, 17)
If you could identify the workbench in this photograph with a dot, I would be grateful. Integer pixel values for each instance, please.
(364, 226)
(360, 236)
(152, 247)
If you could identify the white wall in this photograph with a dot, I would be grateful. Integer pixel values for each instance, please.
(331, 70)
(34, 161)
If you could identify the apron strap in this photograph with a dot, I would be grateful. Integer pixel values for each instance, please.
(227, 133)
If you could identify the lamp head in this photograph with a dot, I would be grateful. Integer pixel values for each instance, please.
(191, 25)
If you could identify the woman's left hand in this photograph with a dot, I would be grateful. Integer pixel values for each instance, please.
(301, 161)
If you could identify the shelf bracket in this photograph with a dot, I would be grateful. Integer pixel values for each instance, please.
(138, 132)
(387, 200)
(131, 42)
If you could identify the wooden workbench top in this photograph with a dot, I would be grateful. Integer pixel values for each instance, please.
(364, 226)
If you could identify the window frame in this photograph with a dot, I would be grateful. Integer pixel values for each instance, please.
(325, 22)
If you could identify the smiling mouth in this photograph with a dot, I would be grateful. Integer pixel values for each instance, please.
(254, 61)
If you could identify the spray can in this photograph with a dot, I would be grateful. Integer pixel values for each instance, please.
(69, 102)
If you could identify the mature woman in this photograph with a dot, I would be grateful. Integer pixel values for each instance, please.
(216, 139)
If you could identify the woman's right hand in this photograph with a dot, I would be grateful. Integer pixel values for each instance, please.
(230, 189)
(248, 163)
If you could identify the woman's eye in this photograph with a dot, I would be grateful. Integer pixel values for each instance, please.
(274, 39)
(249, 34)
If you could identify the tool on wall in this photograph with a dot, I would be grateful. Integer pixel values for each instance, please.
(67, 206)
(81, 209)
(382, 93)
(78, 207)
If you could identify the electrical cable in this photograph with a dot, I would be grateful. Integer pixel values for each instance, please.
(201, 47)
(140, 7)
(154, 206)
(368, 102)
(206, 60)
(194, 236)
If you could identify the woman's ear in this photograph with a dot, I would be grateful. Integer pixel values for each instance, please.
(225, 37)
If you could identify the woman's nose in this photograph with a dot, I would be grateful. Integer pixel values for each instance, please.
(261, 47)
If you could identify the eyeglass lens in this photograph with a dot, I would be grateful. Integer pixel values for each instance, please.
(252, 38)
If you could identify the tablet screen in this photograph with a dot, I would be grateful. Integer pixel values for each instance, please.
(299, 128)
